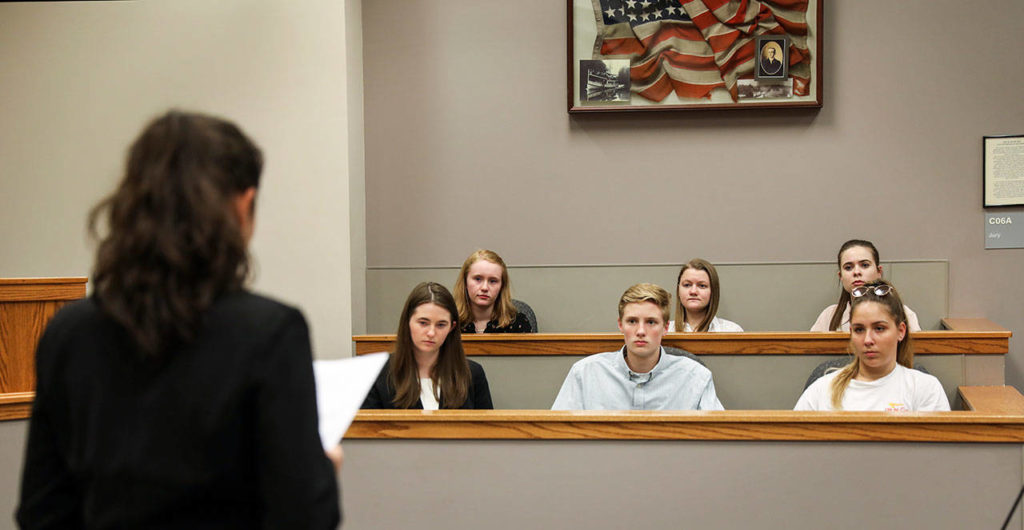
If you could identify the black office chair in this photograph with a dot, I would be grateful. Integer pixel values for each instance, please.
(683, 353)
(525, 309)
(832, 365)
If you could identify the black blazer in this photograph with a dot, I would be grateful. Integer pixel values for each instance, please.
(219, 434)
(382, 395)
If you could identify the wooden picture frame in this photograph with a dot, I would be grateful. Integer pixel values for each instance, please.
(691, 54)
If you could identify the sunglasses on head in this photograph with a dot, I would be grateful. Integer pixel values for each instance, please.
(879, 290)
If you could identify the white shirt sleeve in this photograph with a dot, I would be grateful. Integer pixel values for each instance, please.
(570, 396)
(824, 319)
(709, 398)
(912, 322)
(931, 396)
(816, 397)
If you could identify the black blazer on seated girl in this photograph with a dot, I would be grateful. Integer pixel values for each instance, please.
(382, 395)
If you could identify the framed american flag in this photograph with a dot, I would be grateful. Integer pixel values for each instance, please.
(647, 55)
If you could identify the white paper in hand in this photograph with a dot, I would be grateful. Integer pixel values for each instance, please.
(341, 388)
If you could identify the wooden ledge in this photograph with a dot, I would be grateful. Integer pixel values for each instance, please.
(16, 405)
(774, 343)
(717, 425)
(993, 419)
(993, 399)
(41, 289)
(971, 324)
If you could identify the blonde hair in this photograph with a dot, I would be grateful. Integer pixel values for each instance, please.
(503, 312)
(712, 308)
(646, 292)
(904, 349)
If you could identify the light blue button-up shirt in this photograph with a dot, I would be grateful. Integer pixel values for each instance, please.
(604, 381)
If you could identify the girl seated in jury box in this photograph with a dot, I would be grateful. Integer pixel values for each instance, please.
(858, 265)
(697, 302)
(484, 297)
(881, 376)
(428, 369)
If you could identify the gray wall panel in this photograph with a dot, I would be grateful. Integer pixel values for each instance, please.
(514, 485)
(12, 449)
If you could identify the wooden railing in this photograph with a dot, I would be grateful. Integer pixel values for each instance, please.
(998, 416)
(953, 342)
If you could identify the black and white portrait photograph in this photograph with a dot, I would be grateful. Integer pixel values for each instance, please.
(605, 81)
(772, 57)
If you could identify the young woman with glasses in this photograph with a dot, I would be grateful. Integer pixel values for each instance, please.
(858, 265)
(881, 376)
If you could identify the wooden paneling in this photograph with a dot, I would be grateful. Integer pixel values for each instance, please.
(26, 305)
(795, 343)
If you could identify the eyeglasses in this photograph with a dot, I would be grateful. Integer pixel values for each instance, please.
(879, 290)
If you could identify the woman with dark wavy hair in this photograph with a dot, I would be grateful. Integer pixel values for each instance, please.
(173, 397)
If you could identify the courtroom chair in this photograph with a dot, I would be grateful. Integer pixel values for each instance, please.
(525, 309)
(832, 365)
(683, 353)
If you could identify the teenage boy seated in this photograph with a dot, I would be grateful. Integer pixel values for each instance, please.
(640, 376)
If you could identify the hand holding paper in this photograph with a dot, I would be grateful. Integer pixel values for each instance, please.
(341, 387)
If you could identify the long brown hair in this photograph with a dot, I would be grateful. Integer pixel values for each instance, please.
(844, 297)
(173, 243)
(504, 311)
(904, 348)
(712, 308)
(451, 373)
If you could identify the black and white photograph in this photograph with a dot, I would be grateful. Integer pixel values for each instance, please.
(772, 57)
(604, 81)
(752, 89)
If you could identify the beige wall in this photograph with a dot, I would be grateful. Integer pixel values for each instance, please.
(468, 144)
(79, 80)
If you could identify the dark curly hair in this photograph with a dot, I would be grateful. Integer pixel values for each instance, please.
(173, 243)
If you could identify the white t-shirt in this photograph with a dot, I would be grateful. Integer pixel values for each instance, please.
(825, 318)
(427, 394)
(717, 325)
(903, 390)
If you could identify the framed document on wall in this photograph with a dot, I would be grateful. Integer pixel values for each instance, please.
(1003, 170)
(647, 55)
